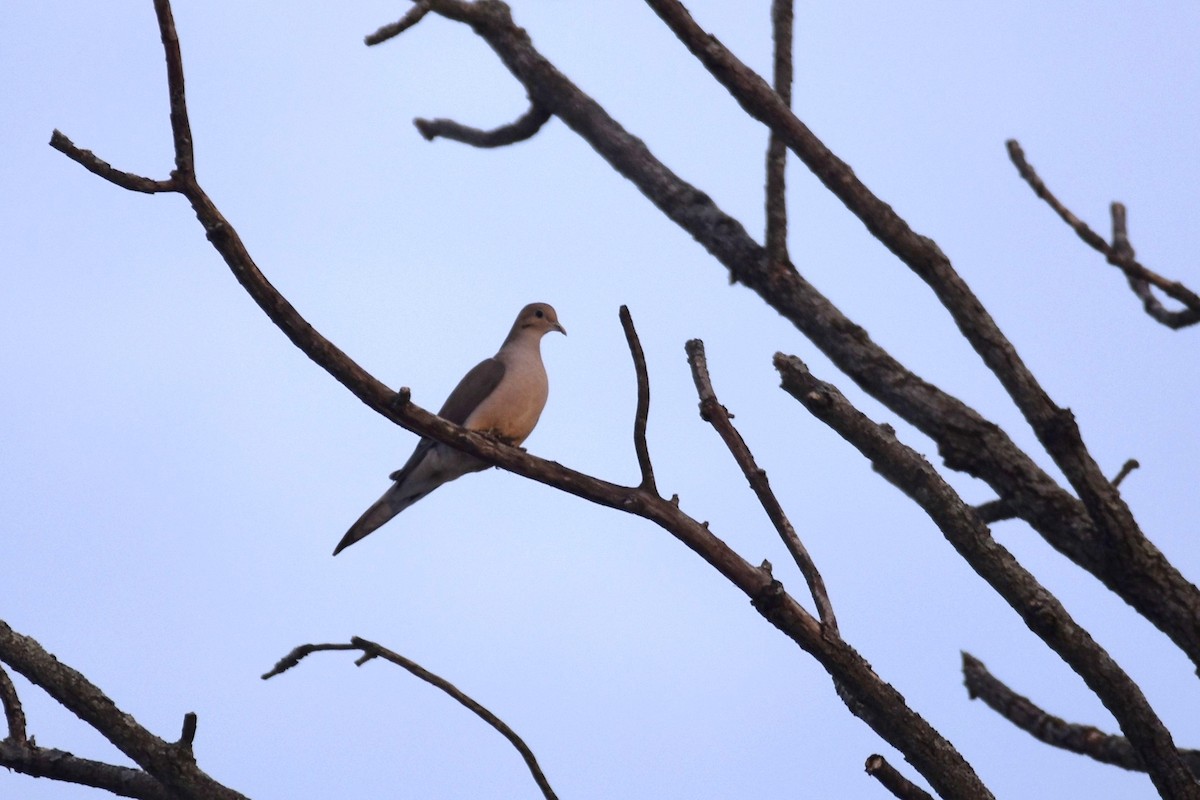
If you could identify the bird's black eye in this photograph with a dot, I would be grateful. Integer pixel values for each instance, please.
(539, 313)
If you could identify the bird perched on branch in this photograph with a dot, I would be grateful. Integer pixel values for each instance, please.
(502, 396)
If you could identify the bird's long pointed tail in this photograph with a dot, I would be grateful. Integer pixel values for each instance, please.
(392, 503)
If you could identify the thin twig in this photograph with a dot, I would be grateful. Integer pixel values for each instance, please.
(298, 653)
(98, 166)
(14, 714)
(712, 412)
(777, 217)
(1126, 468)
(524, 127)
(1120, 253)
(643, 402)
(372, 650)
(1055, 731)
(188, 734)
(410, 18)
(887, 775)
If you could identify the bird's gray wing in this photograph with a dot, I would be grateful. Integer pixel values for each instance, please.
(477, 384)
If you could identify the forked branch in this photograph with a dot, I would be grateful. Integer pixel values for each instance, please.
(1120, 253)
(167, 768)
(371, 650)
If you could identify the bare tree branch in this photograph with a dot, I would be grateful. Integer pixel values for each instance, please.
(98, 166)
(1119, 253)
(169, 764)
(1045, 727)
(887, 775)
(371, 650)
(712, 412)
(411, 17)
(524, 127)
(777, 219)
(1039, 609)
(643, 403)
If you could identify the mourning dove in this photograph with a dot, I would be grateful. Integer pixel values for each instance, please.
(502, 396)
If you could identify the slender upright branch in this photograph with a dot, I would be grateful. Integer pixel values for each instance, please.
(643, 402)
(891, 779)
(1055, 731)
(371, 650)
(181, 129)
(782, 17)
(1119, 253)
(14, 714)
(411, 17)
(1040, 610)
(524, 127)
(712, 412)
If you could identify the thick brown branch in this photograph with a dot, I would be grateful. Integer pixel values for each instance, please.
(372, 650)
(642, 413)
(887, 775)
(712, 412)
(165, 761)
(524, 127)
(59, 765)
(1045, 727)
(1039, 609)
(967, 441)
(777, 219)
(410, 18)
(1119, 253)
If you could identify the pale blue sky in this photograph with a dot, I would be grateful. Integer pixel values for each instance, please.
(175, 473)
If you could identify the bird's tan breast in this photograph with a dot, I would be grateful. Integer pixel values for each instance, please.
(512, 409)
